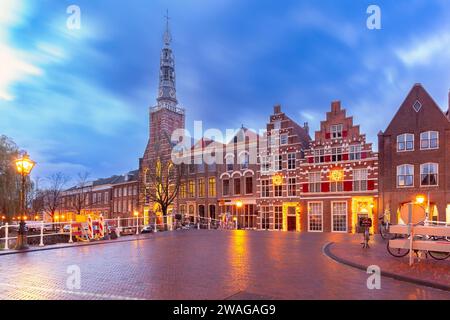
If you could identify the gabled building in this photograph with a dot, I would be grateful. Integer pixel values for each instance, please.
(280, 153)
(338, 177)
(415, 157)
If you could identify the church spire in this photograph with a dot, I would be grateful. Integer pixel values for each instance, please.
(167, 96)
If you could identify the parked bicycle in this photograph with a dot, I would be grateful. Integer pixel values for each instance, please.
(384, 229)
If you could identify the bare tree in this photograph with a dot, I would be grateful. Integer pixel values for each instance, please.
(51, 197)
(162, 179)
(80, 200)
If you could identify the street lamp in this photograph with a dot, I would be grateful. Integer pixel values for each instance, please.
(24, 165)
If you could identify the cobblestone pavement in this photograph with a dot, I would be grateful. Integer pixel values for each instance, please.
(199, 265)
(427, 269)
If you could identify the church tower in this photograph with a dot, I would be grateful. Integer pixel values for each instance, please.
(165, 117)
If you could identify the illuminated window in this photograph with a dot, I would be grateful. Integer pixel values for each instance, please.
(339, 216)
(405, 142)
(212, 187)
(201, 188)
(429, 140)
(278, 217)
(429, 174)
(315, 217)
(191, 189)
(183, 191)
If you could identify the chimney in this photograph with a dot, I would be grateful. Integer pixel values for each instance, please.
(306, 127)
(277, 109)
(335, 106)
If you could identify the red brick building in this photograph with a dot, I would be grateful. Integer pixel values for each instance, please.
(338, 176)
(280, 154)
(415, 157)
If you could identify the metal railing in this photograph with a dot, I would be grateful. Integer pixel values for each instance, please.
(55, 229)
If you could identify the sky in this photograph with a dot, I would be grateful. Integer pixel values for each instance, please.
(77, 100)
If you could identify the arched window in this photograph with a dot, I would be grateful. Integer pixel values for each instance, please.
(405, 175)
(429, 174)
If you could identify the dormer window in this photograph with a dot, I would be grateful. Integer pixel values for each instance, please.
(405, 142)
(336, 131)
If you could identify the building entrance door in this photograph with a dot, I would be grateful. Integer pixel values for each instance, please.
(291, 223)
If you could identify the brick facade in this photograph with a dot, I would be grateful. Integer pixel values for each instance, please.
(418, 135)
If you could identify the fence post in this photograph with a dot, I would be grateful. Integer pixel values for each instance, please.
(118, 227)
(41, 243)
(209, 223)
(156, 226)
(6, 236)
(71, 238)
(198, 225)
(137, 224)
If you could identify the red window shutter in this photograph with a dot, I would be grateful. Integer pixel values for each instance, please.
(327, 158)
(371, 185)
(363, 155)
(344, 134)
(325, 187)
(348, 186)
(327, 135)
(311, 160)
(345, 157)
(305, 188)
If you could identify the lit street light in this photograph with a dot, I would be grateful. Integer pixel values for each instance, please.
(24, 165)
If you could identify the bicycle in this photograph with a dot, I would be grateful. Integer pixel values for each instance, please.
(437, 255)
(384, 229)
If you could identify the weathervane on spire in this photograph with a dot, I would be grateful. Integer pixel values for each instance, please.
(167, 35)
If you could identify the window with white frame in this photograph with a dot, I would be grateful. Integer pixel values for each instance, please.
(405, 175)
(315, 217)
(339, 216)
(278, 191)
(429, 174)
(336, 131)
(405, 142)
(265, 188)
(319, 155)
(336, 154)
(284, 139)
(314, 181)
(245, 160)
(355, 152)
(336, 186)
(278, 162)
(277, 125)
(265, 164)
(265, 217)
(278, 217)
(360, 179)
(429, 140)
(292, 187)
(291, 161)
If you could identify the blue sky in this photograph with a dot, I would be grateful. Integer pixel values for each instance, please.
(78, 100)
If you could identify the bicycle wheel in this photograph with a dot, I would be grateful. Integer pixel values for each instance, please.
(439, 255)
(397, 252)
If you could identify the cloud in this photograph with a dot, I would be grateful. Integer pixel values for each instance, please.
(426, 51)
(14, 63)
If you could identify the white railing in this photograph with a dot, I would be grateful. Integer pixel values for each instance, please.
(53, 229)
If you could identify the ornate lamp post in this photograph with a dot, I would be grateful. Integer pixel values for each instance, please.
(24, 165)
